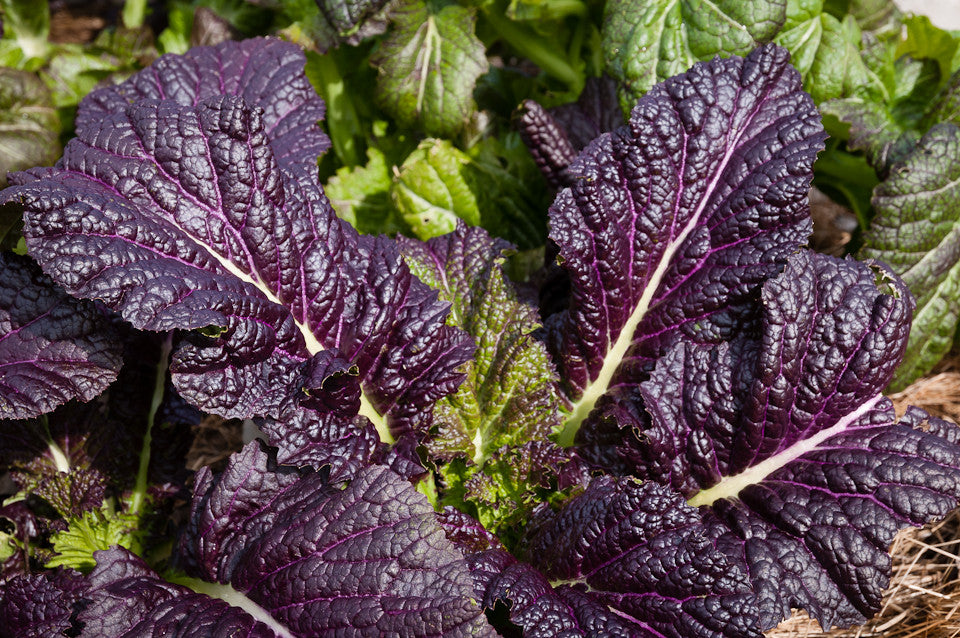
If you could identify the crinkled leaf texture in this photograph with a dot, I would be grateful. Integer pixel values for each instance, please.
(126, 599)
(53, 348)
(367, 560)
(30, 122)
(39, 605)
(555, 137)
(660, 39)
(625, 559)
(509, 396)
(500, 420)
(428, 65)
(786, 443)
(265, 72)
(347, 15)
(916, 230)
(677, 216)
(185, 217)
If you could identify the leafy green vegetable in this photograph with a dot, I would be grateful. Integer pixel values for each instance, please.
(431, 190)
(508, 400)
(429, 64)
(824, 49)
(439, 184)
(508, 397)
(29, 125)
(917, 231)
(26, 23)
(95, 530)
(361, 195)
(646, 44)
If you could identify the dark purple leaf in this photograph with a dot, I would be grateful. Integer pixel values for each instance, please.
(646, 560)
(534, 606)
(308, 439)
(180, 217)
(53, 348)
(368, 560)
(39, 605)
(678, 215)
(19, 526)
(69, 457)
(265, 72)
(555, 136)
(596, 111)
(548, 143)
(787, 443)
(126, 599)
(466, 532)
(402, 458)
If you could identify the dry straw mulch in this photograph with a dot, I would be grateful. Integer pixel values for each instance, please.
(923, 599)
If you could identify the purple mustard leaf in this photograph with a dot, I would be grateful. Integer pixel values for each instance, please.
(19, 527)
(678, 215)
(548, 142)
(466, 532)
(53, 348)
(305, 438)
(370, 559)
(596, 111)
(332, 385)
(555, 136)
(785, 442)
(622, 559)
(69, 456)
(265, 72)
(402, 458)
(535, 608)
(126, 599)
(180, 217)
(636, 551)
(40, 605)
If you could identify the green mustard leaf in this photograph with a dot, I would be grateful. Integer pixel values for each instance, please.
(29, 125)
(95, 530)
(361, 195)
(649, 42)
(494, 432)
(439, 184)
(924, 40)
(508, 397)
(431, 190)
(28, 23)
(428, 65)
(826, 51)
(916, 231)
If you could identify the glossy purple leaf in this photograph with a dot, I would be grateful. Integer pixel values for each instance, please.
(265, 72)
(787, 443)
(40, 605)
(126, 599)
(555, 136)
(180, 217)
(646, 561)
(305, 438)
(368, 560)
(69, 456)
(678, 215)
(535, 608)
(52, 348)
(548, 142)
